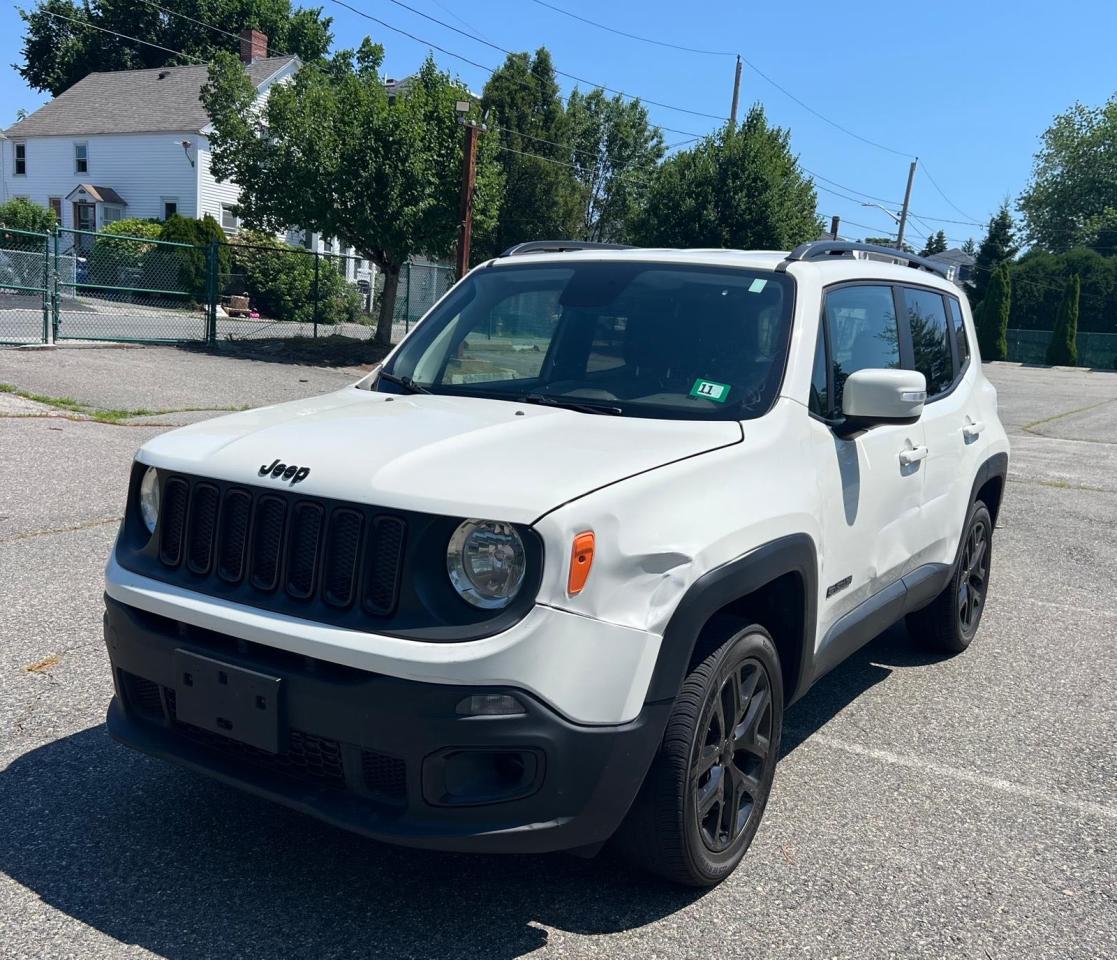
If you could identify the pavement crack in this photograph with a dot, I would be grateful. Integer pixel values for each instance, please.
(72, 528)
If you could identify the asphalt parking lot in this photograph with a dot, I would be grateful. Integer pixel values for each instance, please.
(923, 807)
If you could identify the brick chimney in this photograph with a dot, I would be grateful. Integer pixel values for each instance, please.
(253, 45)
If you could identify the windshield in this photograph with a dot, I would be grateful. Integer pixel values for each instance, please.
(638, 339)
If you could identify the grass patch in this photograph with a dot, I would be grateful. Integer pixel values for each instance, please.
(90, 412)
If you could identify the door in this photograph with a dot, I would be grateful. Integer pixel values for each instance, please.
(871, 484)
(951, 424)
(84, 216)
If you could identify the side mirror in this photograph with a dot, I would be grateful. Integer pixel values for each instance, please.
(882, 396)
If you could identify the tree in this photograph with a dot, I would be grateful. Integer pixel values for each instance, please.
(1063, 348)
(22, 214)
(614, 152)
(992, 314)
(332, 153)
(1074, 179)
(531, 135)
(999, 246)
(57, 53)
(739, 188)
(936, 243)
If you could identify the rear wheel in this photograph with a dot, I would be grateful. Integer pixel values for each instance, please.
(706, 791)
(949, 623)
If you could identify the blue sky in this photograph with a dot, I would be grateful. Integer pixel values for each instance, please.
(966, 87)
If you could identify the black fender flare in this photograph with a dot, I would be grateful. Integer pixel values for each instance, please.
(721, 586)
(995, 466)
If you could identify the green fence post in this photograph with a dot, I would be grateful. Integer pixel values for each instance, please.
(56, 299)
(317, 260)
(46, 288)
(407, 301)
(212, 286)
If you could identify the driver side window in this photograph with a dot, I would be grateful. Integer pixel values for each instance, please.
(863, 333)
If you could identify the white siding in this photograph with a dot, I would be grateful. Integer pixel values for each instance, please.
(143, 168)
(212, 192)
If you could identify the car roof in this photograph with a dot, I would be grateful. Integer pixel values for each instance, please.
(825, 271)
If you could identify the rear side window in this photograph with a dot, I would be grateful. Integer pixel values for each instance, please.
(959, 328)
(861, 321)
(930, 338)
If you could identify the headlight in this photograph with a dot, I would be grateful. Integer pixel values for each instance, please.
(486, 561)
(149, 498)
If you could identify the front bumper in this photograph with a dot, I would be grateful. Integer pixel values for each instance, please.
(371, 753)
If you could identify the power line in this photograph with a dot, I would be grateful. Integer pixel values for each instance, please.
(122, 36)
(946, 198)
(183, 16)
(561, 73)
(633, 36)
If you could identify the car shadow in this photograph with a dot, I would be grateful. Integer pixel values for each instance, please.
(190, 870)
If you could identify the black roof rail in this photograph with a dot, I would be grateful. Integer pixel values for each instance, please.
(561, 246)
(818, 249)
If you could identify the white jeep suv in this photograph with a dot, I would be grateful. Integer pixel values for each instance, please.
(554, 572)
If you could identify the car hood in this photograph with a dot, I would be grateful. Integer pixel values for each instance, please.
(458, 456)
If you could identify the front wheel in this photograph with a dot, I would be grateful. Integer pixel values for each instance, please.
(949, 623)
(706, 790)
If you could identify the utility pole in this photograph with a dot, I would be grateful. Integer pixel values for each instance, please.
(904, 211)
(736, 95)
(835, 222)
(469, 178)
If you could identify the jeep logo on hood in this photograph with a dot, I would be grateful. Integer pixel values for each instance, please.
(283, 471)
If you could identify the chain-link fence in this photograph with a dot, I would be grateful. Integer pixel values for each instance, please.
(421, 285)
(77, 285)
(279, 290)
(1097, 350)
(113, 287)
(24, 285)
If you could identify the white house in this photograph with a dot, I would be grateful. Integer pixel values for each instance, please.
(130, 143)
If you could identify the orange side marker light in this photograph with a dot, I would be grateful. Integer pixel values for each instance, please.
(581, 559)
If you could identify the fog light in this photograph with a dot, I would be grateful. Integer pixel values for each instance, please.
(491, 705)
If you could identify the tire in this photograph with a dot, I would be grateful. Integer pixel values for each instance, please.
(706, 790)
(949, 623)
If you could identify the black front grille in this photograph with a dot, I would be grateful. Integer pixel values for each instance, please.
(262, 543)
(172, 520)
(384, 775)
(202, 520)
(142, 695)
(236, 513)
(304, 757)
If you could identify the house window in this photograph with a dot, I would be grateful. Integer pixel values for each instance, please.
(55, 204)
(110, 214)
(229, 219)
(81, 158)
(21, 159)
(170, 209)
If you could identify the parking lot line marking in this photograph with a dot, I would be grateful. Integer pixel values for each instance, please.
(1085, 807)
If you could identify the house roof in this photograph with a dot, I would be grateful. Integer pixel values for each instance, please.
(98, 194)
(955, 256)
(132, 101)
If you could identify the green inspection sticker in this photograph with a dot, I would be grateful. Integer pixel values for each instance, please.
(708, 390)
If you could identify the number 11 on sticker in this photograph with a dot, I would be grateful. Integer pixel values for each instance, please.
(710, 390)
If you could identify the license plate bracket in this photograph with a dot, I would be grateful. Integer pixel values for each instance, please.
(234, 702)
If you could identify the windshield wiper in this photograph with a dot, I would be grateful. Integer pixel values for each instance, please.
(570, 403)
(406, 382)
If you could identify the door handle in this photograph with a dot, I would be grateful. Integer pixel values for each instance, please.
(972, 430)
(908, 457)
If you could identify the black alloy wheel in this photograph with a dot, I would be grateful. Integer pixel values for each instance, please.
(975, 577)
(728, 768)
(704, 795)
